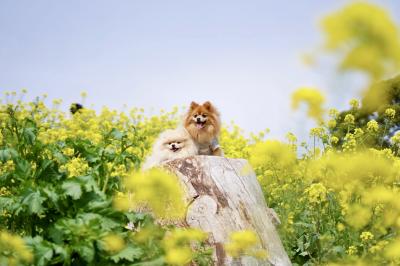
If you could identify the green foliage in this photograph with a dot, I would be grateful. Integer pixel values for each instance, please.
(58, 177)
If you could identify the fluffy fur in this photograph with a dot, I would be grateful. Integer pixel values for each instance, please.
(202, 121)
(171, 144)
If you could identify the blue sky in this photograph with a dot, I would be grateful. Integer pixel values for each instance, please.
(242, 55)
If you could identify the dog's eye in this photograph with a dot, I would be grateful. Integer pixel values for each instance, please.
(204, 115)
(169, 143)
(178, 142)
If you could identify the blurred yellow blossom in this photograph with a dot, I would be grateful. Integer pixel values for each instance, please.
(272, 153)
(334, 140)
(113, 243)
(313, 98)
(366, 38)
(177, 245)
(354, 103)
(14, 249)
(244, 243)
(332, 123)
(157, 189)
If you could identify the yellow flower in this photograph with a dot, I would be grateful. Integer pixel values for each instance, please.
(316, 193)
(113, 243)
(76, 167)
(350, 142)
(334, 140)
(378, 247)
(340, 227)
(349, 118)
(366, 236)
(7, 167)
(393, 250)
(396, 138)
(354, 103)
(68, 151)
(14, 248)
(272, 153)
(313, 98)
(158, 190)
(332, 123)
(177, 245)
(390, 112)
(358, 216)
(372, 126)
(375, 49)
(178, 256)
(317, 132)
(351, 250)
(244, 243)
(333, 113)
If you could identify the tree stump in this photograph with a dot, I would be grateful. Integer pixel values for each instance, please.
(223, 198)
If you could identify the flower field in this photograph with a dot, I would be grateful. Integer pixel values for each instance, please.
(72, 193)
(64, 181)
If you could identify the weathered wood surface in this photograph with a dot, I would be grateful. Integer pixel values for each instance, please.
(222, 198)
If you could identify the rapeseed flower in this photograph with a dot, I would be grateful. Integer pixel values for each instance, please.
(372, 126)
(272, 153)
(14, 249)
(158, 190)
(177, 245)
(244, 243)
(316, 193)
(390, 113)
(75, 167)
(113, 243)
(366, 236)
(313, 98)
(349, 118)
(354, 103)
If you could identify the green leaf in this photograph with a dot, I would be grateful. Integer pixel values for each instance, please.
(129, 253)
(29, 135)
(34, 202)
(47, 171)
(86, 251)
(116, 134)
(88, 183)
(156, 262)
(8, 154)
(72, 189)
(22, 168)
(5, 155)
(108, 224)
(43, 251)
(51, 194)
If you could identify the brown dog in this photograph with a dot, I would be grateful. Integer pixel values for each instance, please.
(203, 124)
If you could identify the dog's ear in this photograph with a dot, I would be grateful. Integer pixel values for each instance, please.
(193, 105)
(208, 106)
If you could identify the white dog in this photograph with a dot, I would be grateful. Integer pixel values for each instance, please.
(171, 144)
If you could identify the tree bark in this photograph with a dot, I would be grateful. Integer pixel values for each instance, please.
(224, 196)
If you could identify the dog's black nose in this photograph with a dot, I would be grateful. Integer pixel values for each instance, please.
(173, 146)
(198, 120)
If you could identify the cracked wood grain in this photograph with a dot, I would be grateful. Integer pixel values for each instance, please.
(223, 199)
